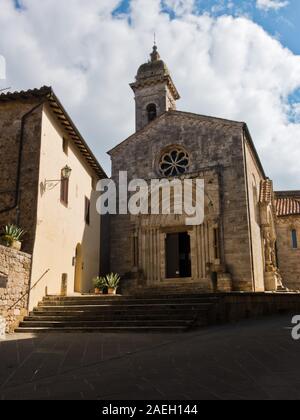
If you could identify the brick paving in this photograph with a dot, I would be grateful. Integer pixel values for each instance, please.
(249, 360)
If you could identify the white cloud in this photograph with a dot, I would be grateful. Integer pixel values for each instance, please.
(222, 66)
(271, 4)
(180, 7)
(2, 67)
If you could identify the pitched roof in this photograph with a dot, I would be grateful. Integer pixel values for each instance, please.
(46, 93)
(180, 114)
(216, 120)
(288, 203)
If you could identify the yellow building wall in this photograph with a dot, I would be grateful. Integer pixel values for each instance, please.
(255, 177)
(59, 228)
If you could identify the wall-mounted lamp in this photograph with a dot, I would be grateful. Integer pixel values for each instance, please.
(66, 172)
(50, 184)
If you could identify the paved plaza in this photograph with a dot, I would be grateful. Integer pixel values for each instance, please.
(254, 359)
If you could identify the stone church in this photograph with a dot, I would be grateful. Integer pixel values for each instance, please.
(248, 242)
(236, 248)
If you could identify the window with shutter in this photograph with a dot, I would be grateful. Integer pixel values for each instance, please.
(64, 191)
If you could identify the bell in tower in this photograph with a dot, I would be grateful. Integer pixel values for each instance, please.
(155, 92)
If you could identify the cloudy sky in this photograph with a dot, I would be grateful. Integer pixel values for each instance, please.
(233, 59)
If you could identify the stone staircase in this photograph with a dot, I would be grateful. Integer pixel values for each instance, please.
(157, 313)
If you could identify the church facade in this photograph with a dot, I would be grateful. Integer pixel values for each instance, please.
(236, 247)
(249, 238)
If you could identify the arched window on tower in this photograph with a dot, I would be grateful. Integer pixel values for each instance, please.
(151, 112)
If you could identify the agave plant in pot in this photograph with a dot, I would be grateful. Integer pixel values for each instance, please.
(12, 236)
(100, 285)
(112, 282)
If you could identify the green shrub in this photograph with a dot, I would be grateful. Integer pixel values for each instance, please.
(113, 281)
(12, 233)
(99, 283)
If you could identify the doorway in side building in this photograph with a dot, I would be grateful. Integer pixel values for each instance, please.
(78, 269)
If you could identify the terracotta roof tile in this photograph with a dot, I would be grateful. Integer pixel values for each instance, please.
(288, 203)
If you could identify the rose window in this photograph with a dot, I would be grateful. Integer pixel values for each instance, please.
(173, 163)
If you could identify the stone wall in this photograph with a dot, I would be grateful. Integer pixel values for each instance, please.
(288, 258)
(12, 115)
(14, 283)
(211, 143)
(254, 180)
(2, 327)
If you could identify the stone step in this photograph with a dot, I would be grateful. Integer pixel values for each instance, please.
(169, 290)
(128, 302)
(152, 329)
(119, 313)
(100, 324)
(184, 315)
(130, 309)
(163, 292)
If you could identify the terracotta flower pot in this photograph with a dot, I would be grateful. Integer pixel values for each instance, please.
(98, 292)
(8, 242)
(112, 291)
(17, 245)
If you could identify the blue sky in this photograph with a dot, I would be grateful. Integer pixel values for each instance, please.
(232, 59)
(282, 24)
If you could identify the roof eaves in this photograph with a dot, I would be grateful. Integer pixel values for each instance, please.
(252, 145)
(70, 127)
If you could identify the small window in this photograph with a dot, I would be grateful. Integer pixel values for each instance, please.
(152, 112)
(294, 239)
(64, 191)
(65, 146)
(87, 211)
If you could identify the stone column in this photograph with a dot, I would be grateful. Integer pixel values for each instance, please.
(193, 238)
(162, 241)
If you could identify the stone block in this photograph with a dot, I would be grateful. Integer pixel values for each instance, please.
(17, 266)
(2, 328)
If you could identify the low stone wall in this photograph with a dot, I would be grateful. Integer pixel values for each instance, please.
(233, 307)
(14, 283)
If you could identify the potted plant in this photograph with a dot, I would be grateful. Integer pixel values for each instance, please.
(112, 282)
(100, 285)
(12, 237)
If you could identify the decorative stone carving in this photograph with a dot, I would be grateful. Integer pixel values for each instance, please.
(174, 162)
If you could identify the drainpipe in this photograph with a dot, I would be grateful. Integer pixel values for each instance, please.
(17, 192)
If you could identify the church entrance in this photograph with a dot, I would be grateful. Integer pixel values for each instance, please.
(178, 256)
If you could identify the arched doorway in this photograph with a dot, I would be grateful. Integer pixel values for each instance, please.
(78, 269)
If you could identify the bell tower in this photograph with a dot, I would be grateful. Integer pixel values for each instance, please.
(155, 92)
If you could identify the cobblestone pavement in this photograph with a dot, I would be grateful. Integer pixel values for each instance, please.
(249, 360)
